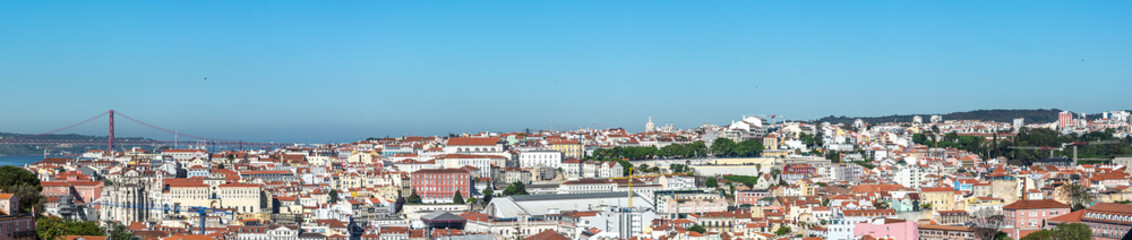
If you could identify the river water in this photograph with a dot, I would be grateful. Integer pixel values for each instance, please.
(19, 160)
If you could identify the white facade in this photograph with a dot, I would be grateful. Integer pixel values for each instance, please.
(481, 162)
(535, 158)
(909, 176)
(677, 182)
(273, 233)
(586, 187)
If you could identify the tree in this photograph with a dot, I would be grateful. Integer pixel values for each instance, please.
(516, 188)
(414, 198)
(749, 148)
(626, 167)
(487, 195)
(723, 147)
(333, 196)
(697, 228)
(1044, 234)
(696, 149)
(119, 232)
(748, 181)
(24, 185)
(782, 231)
(806, 138)
(819, 137)
(458, 198)
(880, 204)
(12, 176)
(49, 227)
(1000, 235)
(1079, 196)
(70, 227)
(834, 157)
(678, 168)
(987, 222)
(1063, 231)
(29, 196)
(472, 200)
(711, 182)
(1073, 231)
(674, 150)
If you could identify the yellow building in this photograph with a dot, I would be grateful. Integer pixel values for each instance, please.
(941, 198)
(572, 148)
(976, 203)
(807, 187)
(770, 141)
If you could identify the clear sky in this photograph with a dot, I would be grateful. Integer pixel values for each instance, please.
(343, 70)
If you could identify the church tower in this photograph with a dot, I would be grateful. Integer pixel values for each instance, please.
(650, 127)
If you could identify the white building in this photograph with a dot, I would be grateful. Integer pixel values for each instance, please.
(536, 205)
(910, 175)
(587, 186)
(481, 162)
(473, 145)
(677, 182)
(535, 158)
(274, 232)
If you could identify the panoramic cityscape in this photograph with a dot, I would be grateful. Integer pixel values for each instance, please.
(595, 120)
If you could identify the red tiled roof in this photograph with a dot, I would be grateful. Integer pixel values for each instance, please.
(1070, 217)
(547, 235)
(472, 141)
(1035, 204)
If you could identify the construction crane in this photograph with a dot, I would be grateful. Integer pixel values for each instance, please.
(1063, 145)
(1101, 142)
(203, 211)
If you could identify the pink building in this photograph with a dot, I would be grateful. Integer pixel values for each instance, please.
(1063, 119)
(55, 188)
(16, 225)
(89, 191)
(750, 196)
(1027, 216)
(887, 228)
(439, 185)
(1109, 221)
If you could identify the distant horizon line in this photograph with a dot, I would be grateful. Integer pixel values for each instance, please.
(350, 139)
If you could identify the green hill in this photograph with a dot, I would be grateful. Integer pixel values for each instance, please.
(997, 115)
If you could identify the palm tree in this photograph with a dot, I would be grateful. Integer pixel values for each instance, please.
(1079, 196)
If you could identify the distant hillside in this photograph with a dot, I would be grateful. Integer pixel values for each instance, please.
(38, 149)
(997, 115)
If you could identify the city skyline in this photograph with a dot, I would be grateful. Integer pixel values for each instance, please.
(96, 126)
(588, 119)
(336, 72)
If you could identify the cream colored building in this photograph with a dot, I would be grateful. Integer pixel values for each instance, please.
(245, 198)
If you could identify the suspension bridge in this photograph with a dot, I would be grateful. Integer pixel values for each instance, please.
(140, 134)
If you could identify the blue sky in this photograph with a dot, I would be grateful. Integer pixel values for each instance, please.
(318, 71)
